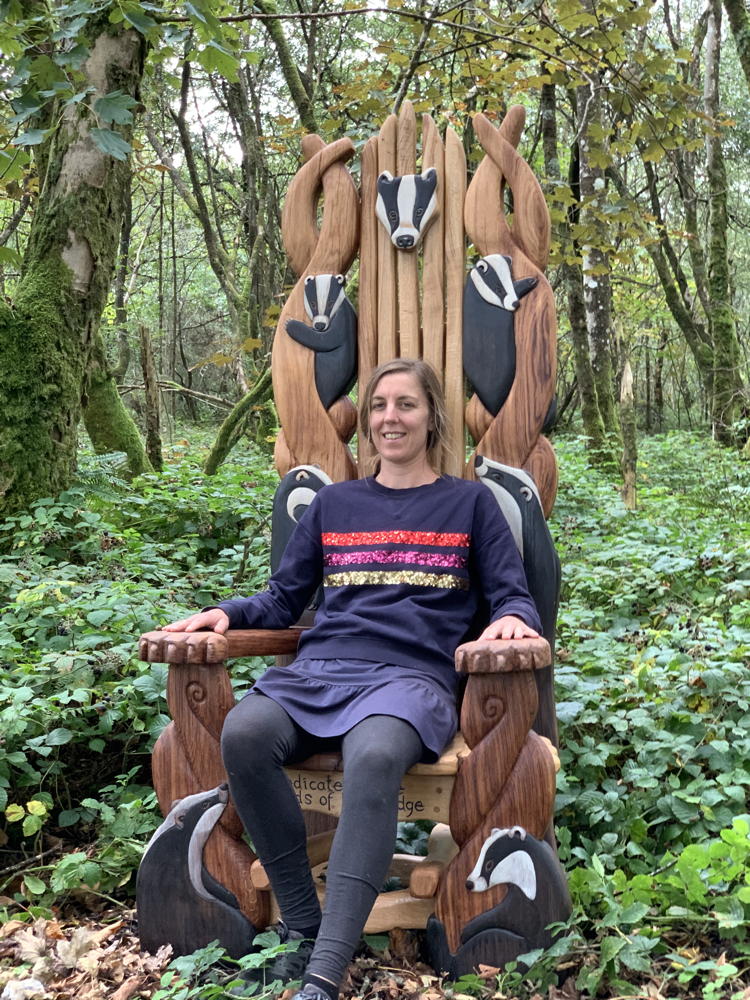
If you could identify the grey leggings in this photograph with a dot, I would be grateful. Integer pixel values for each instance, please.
(257, 740)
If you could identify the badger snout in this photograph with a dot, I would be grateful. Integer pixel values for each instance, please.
(405, 242)
(476, 884)
(320, 324)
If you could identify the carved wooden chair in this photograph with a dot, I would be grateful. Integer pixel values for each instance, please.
(490, 883)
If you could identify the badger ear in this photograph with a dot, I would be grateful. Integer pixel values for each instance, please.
(309, 278)
(385, 177)
(429, 173)
(339, 279)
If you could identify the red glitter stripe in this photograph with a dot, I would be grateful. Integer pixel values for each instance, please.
(395, 538)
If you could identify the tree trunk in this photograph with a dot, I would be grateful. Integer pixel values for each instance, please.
(151, 387)
(47, 336)
(572, 276)
(231, 429)
(740, 25)
(597, 289)
(121, 310)
(727, 390)
(108, 423)
(629, 438)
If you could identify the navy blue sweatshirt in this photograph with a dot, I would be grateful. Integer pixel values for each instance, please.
(404, 573)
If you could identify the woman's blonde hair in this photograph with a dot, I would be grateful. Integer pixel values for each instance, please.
(439, 433)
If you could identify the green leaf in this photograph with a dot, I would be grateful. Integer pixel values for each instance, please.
(34, 885)
(138, 19)
(32, 825)
(68, 817)
(110, 142)
(14, 813)
(58, 737)
(31, 138)
(97, 618)
(73, 58)
(10, 256)
(214, 58)
(115, 107)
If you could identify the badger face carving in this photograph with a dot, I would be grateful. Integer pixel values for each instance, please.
(331, 335)
(406, 205)
(491, 298)
(504, 860)
(324, 295)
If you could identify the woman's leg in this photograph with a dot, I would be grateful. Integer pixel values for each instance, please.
(377, 753)
(258, 738)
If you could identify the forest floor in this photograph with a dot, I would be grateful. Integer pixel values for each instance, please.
(97, 956)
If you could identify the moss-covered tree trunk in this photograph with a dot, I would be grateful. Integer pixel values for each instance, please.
(108, 423)
(727, 380)
(47, 334)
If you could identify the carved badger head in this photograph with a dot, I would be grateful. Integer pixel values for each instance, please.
(406, 205)
(324, 294)
(493, 280)
(504, 859)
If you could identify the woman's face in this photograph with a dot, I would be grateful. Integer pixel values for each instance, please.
(400, 419)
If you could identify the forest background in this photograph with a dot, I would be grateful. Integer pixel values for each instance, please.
(144, 155)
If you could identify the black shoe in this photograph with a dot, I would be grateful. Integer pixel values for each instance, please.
(287, 967)
(310, 992)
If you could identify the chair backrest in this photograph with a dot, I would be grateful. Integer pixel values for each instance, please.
(409, 231)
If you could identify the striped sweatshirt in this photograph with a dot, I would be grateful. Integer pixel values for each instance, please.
(407, 574)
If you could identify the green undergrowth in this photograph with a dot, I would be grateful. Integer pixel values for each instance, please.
(652, 679)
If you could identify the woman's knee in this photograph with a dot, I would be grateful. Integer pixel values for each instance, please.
(380, 752)
(256, 729)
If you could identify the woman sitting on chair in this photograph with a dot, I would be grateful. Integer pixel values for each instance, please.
(407, 558)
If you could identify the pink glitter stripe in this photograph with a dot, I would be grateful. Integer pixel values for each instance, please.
(444, 560)
(394, 537)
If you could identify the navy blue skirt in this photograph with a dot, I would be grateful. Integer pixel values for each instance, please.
(328, 697)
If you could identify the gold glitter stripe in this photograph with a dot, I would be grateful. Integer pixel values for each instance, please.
(360, 578)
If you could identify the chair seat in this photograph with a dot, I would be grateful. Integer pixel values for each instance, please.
(425, 792)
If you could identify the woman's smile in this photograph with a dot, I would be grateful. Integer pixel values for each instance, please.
(400, 420)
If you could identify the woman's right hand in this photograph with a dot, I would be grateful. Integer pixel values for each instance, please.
(214, 619)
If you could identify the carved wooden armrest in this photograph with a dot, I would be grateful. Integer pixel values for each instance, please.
(502, 656)
(206, 648)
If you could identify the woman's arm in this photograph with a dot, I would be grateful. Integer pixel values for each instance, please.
(289, 590)
(497, 561)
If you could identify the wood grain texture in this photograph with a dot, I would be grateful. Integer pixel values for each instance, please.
(441, 849)
(512, 435)
(310, 436)
(433, 270)
(206, 648)
(226, 855)
(531, 228)
(502, 656)
(386, 263)
(368, 287)
(455, 266)
(409, 340)
(534, 769)
(542, 467)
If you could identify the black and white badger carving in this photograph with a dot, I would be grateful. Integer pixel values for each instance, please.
(293, 496)
(178, 901)
(332, 335)
(406, 205)
(491, 297)
(537, 890)
(518, 498)
(499, 862)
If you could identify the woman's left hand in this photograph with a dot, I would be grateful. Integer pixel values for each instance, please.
(509, 627)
